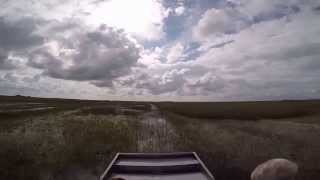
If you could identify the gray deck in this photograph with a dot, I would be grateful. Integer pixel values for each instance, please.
(157, 166)
(177, 176)
(157, 162)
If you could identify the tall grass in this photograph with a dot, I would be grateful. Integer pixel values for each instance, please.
(232, 148)
(50, 145)
(78, 139)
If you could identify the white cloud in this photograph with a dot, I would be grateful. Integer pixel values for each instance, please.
(151, 57)
(175, 53)
(180, 2)
(97, 56)
(217, 22)
(273, 59)
(253, 8)
(252, 50)
(142, 18)
(209, 83)
(179, 10)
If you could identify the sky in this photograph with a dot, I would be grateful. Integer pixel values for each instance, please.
(171, 50)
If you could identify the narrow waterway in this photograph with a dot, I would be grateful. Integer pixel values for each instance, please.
(157, 134)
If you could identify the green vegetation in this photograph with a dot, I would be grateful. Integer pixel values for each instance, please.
(77, 139)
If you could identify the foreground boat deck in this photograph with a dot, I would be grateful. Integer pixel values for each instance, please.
(157, 166)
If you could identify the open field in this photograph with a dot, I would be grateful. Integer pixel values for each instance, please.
(244, 110)
(44, 139)
(233, 137)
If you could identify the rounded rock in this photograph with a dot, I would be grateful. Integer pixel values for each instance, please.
(275, 169)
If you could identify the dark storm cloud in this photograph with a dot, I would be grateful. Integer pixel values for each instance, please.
(10, 77)
(5, 64)
(317, 8)
(42, 59)
(97, 56)
(16, 36)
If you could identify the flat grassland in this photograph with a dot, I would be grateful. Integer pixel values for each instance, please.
(44, 139)
(233, 137)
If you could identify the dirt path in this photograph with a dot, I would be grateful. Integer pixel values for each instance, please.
(157, 134)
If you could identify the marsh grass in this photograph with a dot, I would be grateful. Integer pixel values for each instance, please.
(155, 134)
(98, 110)
(79, 142)
(77, 139)
(53, 144)
(232, 148)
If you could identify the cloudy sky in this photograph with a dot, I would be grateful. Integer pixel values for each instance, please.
(205, 50)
